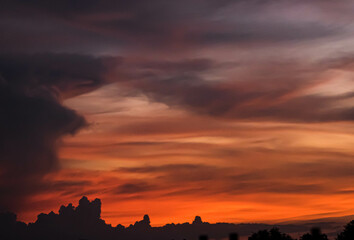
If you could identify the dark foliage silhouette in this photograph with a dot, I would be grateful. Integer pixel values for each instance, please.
(10, 228)
(84, 222)
(273, 234)
(203, 237)
(233, 236)
(348, 232)
(197, 220)
(143, 224)
(315, 234)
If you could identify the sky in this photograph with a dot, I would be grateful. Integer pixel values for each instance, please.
(236, 111)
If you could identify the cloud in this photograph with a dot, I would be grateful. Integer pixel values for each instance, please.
(94, 26)
(31, 127)
(34, 120)
(210, 180)
(261, 32)
(271, 92)
(70, 74)
(280, 96)
(129, 188)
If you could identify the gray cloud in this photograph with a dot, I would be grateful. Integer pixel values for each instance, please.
(254, 99)
(33, 120)
(94, 26)
(31, 127)
(70, 74)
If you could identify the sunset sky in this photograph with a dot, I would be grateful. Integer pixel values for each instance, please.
(236, 111)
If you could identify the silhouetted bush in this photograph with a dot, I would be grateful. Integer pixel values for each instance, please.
(84, 222)
(203, 237)
(273, 234)
(233, 236)
(348, 232)
(315, 234)
(10, 228)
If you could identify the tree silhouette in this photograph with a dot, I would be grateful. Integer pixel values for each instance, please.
(84, 222)
(273, 234)
(233, 236)
(197, 220)
(203, 237)
(314, 235)
(348, 232)
(143, 224)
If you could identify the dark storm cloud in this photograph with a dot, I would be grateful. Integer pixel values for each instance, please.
(94, 26)
(32, 118)
(70, 74)
(30, 127)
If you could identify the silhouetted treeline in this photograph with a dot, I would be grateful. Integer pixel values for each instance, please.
(84, 222)
(273, 234)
